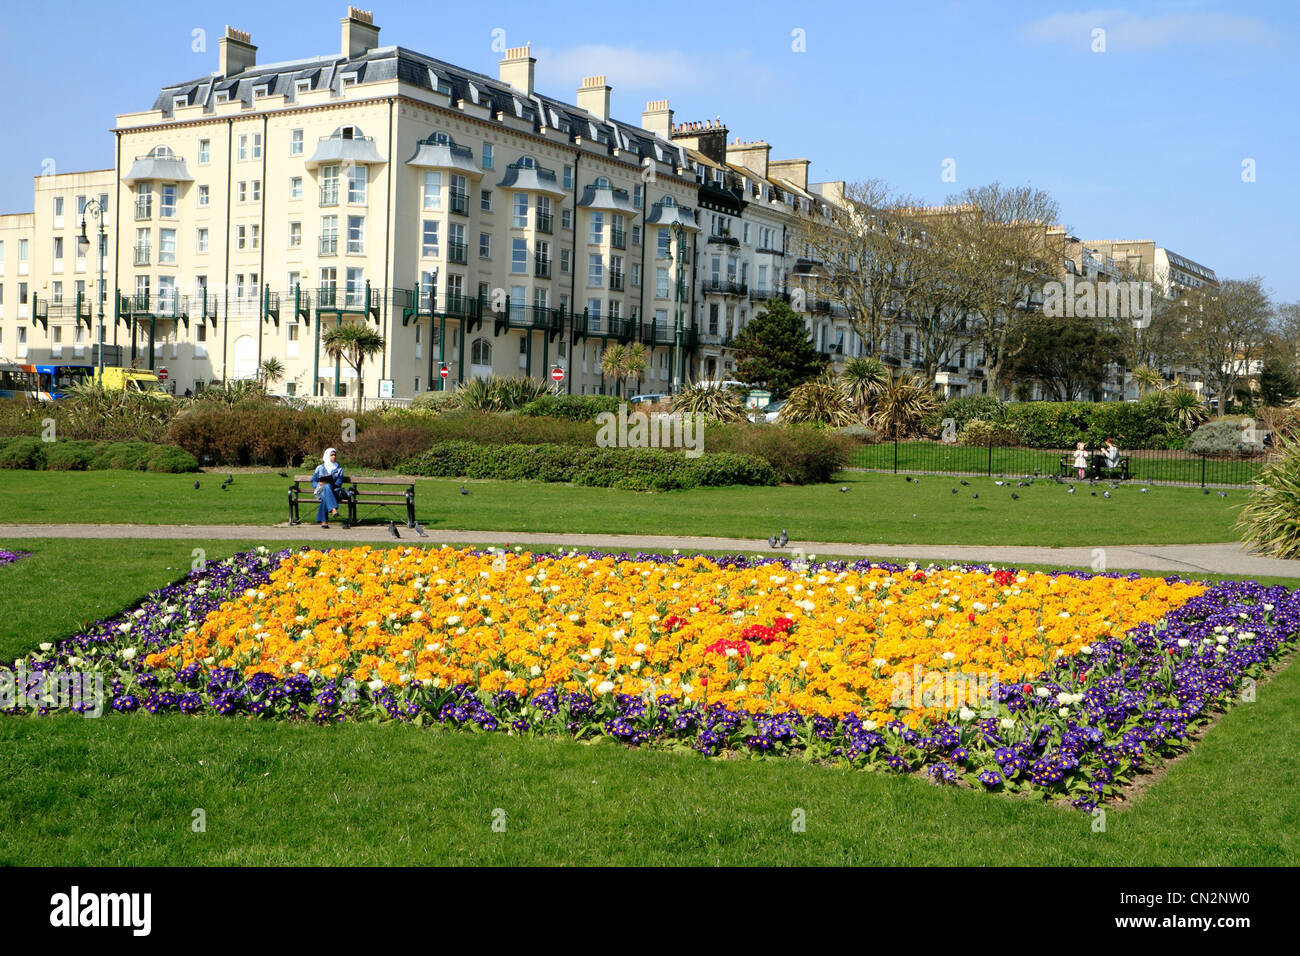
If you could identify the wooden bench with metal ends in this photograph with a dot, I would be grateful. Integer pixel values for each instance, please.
(1097, 467)
(380, 492)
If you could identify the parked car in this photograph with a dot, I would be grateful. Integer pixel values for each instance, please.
(653, 397)
(768, 413)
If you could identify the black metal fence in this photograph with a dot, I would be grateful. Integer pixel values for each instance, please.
(1166, 466)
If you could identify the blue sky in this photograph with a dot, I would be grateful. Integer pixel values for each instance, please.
(1144, 140)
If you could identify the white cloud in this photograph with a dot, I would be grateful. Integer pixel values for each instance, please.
(1125, 30)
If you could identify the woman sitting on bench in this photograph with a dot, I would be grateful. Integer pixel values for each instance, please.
(327, 485)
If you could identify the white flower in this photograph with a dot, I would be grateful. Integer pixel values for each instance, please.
(1085, 649)
(1184, 642)
(1222, 638)
(375, 685)
(1063, 698)
(686, 688)
(979, 606)
(416, 615)
(534, 671)
(947, 655)
(124, 627)
(732, 652)
(295, 666)
(1043, 692)
(312, 672)
(617, 634)
(604, 687)
(139, 612)
(128, 654)
(627, 615)
(46, 645)
(611, 661)
(868, 725)
(1064, 711)
(1006, 723)
(640, 648)
(453, 620)
(966, 713)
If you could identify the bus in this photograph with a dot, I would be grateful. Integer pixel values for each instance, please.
(45, 383)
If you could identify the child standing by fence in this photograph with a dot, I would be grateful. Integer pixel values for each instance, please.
(1080, 459)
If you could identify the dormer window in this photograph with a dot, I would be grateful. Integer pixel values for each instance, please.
(161, 152)
(527, 162)
(347, 79)
(223, 96)
(444, 88)
(180, 102)
(349, 132)
(601, 183)
(262, 90)
(302, 86)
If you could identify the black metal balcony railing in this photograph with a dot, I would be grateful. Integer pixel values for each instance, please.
(771, 252)
(456, 252)
(545, 222)
(725, 286)
(329, 194)
(143, 209)
(142, 255)
(616, 281)
(459, 202)
(162, 305)
(329, 245)
(724, 240)
(541, 267)
(819, 305)
(347, 299)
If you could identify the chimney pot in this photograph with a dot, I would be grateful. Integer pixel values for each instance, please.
(517, 68)
(360, 35)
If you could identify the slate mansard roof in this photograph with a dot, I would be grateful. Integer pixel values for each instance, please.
(422, 72)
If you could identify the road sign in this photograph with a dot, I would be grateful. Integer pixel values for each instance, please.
(162, 374)
(557, 374)
(444, 371)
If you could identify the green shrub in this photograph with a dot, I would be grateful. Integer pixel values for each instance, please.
(70, 455)
(573, 407)
(434, 401)
(637, 469)
(1226, 438)
(24, 451)
(977, 431)
(967, 408)
(1144, 424)
(799, 454)
(260, 434)
(127, 455)
(171, 460)
(862, 434)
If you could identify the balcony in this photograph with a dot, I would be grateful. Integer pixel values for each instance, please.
(329, 194)
(329, 245)
(819, 305)
(541, 267)
(351, 299)
(724, 240)
(771, 252)
(143, 209)
(762, 294)
(618, 238)
(545, 222)
(457, 252)
(804, 266)
(616, 281)
(159, 305)
(459, 202)
(725, 286)
(142, 255)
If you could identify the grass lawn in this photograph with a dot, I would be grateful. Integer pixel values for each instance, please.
(122, 789)
(970, 459)
(877, 508)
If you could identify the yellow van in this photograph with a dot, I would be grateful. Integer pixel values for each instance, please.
(117, 378)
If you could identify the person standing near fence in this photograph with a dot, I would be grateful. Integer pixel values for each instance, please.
(1080, 459)
(1110, 451)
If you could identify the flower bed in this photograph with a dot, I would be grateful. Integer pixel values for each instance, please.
(9, 557)
(1064, 684)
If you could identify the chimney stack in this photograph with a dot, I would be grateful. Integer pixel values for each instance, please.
(657, 118)
(791, 170)
(516, 68)
(593, 96)
(752, 156)
(360, 34)
(236, 52)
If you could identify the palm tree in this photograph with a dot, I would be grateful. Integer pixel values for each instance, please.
(821, 400)
(710, 401)
(1146, 378)
(353, 343)
(1185, 407)
(271, 370)
(621, 362)
(902, 405)
(863, 380)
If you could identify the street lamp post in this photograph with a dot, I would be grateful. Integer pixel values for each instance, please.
(94, 208)
(679, 231)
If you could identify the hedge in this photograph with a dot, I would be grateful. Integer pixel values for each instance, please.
(1143, 424)
(76, 455)
(635, 469)
(574, 407)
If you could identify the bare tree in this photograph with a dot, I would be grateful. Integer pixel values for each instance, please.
(1005, 253)
(1224, 332)
(866, 248)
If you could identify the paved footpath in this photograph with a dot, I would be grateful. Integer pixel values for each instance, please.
(1189, 559)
